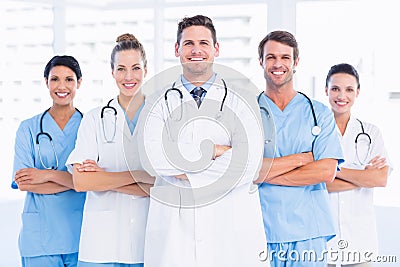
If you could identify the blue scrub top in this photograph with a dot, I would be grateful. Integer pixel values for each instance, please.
(51, 223)
(295, 213)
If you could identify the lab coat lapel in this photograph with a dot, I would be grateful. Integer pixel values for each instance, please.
(215, 92)
(188, 108)
(186, 95)
(122, 127)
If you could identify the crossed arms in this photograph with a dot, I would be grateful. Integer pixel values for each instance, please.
(297, 170)
(87, 176)
(375, 174)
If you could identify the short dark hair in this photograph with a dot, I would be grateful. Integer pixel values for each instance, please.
(67, 61)
(342, 68)
(128, 41)
(283, 37)
(198, 20)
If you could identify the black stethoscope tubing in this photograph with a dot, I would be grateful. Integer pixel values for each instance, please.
(106, 107)
(356, 141)
(50, 138)
(173, 88)
(312, 110)
(362, 133)
(315, 130)
(41, 126)
(14, 184)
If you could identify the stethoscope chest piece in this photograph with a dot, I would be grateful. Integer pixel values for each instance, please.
(316, 130)
(218, 116)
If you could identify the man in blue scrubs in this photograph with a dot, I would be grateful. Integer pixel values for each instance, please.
(302, 159)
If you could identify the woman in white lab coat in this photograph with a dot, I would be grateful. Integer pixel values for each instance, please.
(105, 163)
(204, 209)
(366, 166)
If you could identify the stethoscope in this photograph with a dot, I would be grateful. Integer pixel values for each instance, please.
(315, 130)
(363, 133)
(173, 88)
(113, 110)
(46, 134)
(268, 115)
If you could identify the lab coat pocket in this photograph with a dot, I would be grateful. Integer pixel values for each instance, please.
(169, 229)
(160, 211)
(99, 235)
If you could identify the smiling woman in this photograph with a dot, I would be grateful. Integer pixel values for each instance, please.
(366, 166)
(52, 215)
(116, 185)
(32, 29)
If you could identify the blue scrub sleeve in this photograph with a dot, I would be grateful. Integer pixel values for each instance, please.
(327, 143)
(23, 150)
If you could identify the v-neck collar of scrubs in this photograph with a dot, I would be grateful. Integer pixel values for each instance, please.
(132, 123)
(283, 113)
(55, 128)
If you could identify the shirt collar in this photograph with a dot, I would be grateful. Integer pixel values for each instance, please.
(206, 86)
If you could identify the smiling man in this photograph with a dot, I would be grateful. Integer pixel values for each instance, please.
(196, 48)
(292, 179)
(204, 208)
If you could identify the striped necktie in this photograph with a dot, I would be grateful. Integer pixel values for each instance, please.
(197, 92)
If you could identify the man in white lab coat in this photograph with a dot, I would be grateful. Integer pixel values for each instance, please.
(203, 141)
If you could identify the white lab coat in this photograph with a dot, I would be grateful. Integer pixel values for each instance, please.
(114, 223)
(210, 225)
(353, 210)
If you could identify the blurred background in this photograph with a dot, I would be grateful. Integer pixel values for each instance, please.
(360, 32)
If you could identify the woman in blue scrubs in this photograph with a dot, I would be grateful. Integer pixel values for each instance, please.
(52, 215)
